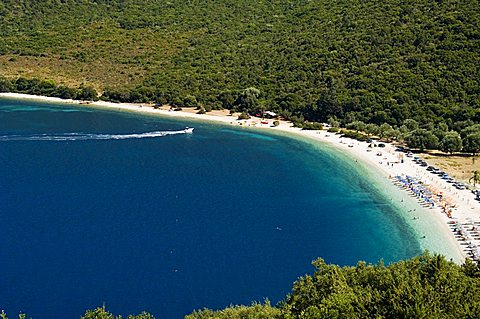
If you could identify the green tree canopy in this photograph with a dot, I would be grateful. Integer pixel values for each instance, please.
(248, 99)
(411, 124)
(472, 129)
(386, 131)
(87, 93)
(356, 125)
(475, 178)
(471, 143)
(377, 62)
(451, 142)
(372, 129)
(102, 313)
(422, 287)
(421, 139)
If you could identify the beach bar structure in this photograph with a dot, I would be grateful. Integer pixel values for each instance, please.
(269, 114)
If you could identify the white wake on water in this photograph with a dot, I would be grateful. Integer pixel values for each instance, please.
(90, 136)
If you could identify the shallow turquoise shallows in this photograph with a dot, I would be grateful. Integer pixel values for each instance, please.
(94, 211)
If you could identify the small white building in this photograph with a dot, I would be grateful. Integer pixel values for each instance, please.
(269, 114)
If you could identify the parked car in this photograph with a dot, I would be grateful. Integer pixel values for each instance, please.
(459, 186)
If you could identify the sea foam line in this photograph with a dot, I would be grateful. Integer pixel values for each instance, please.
(89, 136)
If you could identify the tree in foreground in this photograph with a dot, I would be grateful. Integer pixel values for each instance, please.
(472, 143)
(421, 139)
(3, 315)
(255, 311)
(471, 129)
(422, 287)
(248, 99)
(87, 93)
(386, 131)
(426, 286)
(356, 125)
(475, 178)
(451, 142)
(244, 116)
(102, 313)
(372, 129)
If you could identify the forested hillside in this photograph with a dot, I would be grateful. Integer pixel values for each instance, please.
(368, 60)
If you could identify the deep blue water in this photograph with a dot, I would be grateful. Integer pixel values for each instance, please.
(174, 223)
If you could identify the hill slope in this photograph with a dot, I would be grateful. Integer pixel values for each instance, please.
(375, 61)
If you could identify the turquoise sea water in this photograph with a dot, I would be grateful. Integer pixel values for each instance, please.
(94, 211)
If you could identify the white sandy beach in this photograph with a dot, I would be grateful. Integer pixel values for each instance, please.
(432, 222)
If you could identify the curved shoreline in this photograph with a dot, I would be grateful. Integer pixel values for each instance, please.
(433, 223)
(429, 225)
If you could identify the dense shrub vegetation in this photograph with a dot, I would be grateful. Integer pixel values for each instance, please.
(371, 61)
(423, 287)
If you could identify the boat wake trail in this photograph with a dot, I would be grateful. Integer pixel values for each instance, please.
(87, 136)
